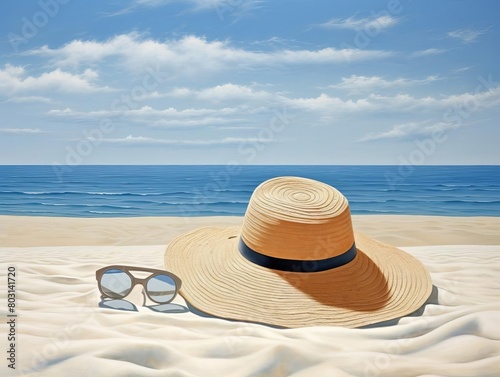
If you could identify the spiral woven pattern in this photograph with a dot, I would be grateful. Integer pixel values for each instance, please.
(380, 283)
(298, 218)
(297, 200)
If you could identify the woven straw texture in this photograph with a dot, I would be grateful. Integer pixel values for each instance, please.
(298, 218)
(302, 219)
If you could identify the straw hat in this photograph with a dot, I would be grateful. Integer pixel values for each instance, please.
(296, 262)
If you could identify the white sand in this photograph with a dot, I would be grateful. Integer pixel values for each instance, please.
(25, 231)
(61, 331)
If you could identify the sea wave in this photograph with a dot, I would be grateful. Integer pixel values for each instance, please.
(103, 212)
(453, 185)
(471, 201)
(88, 205)
(192, 190)
(192, 202)
(96, 193)
(125, 193)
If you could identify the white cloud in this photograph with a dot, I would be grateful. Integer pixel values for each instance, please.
(144, 113)
(236, 105)
(325, 104)
(411, 130)
(28, 99)
(233, 104)
(238, 128)
(199, 122)
(463, 69)
(369, 23)
(225, 92)
(356, 83)
(152, 3)
(197, 4)
(466, 35)
(22, 131)
(428, 52)
(141, 140)
(190, 55)
(14, 79)
(222, 7)
(169, 117)
(485, 99)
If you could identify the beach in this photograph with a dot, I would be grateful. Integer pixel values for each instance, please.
(61, 330)
(217, 188)
(398, 230)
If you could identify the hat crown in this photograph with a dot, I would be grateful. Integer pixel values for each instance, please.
(298, 219)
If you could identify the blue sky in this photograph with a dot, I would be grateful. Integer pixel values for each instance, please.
(249, 82)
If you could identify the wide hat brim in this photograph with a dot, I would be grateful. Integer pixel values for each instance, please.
(381, 283)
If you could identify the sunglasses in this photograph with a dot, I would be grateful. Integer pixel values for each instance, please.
(116, 282)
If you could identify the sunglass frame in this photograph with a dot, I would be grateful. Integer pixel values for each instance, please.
(134, 280)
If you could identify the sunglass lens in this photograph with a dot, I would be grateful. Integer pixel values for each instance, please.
(116, 283)
(161, 288)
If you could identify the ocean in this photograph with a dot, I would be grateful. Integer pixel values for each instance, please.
(220, 190)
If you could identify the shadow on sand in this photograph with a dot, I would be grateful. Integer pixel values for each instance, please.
(130, 307)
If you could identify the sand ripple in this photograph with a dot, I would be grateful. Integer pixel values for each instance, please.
(63, 332)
